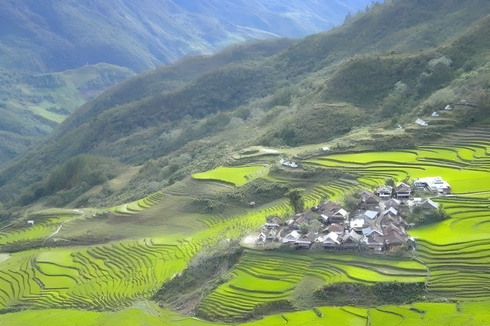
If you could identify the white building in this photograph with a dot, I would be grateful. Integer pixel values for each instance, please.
(433, 183)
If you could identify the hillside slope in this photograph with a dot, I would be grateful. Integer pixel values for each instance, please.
(38, 39)
(60, 35)
(359, 81)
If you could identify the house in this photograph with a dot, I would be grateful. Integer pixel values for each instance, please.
(275, 220)
(370, 231)
(395, 203)
(400, 229)
(403, 191)
(435, 114)
(297, 222)
(384, 192)
(392, 219)
(433, 184)
(358, 224)
(329, 207)
(261, 240)
(271, 225)
(374, 242)
(415, 202)
(391, 211)
(303, 242)
(336, 228)
(291, 237)
(271, 235)
(368, 215)
(324, 218)
(339, 216)
(393, 239)
(351, 239)
(369, 200)
(30, 223)
(429, 205)
(288, 163)
(331, 240)
(421, 122)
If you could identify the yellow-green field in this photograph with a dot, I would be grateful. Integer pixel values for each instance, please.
(238, 176)
(424, 314)
(148, 241)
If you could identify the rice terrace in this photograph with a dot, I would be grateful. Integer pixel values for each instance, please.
(157, 239)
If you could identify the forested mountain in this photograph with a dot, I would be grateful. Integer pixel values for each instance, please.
(399, 61)
(41, 39)
(47, 36)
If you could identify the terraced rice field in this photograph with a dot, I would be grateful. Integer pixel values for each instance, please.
(452, 256)
(424, 314)
(96, 278)
(238, 176)
(44, 225)
(266, 277)
(139, 205)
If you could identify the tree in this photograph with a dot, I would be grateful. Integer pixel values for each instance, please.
(419, 217)
(304, 228)
(351, 200)
(390, 182)
(316, 225)
(296, 199)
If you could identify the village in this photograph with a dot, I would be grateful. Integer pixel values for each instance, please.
(377, 223)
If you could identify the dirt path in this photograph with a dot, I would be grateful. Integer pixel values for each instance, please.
(54, 233)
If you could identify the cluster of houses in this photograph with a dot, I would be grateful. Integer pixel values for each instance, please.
(377, 223)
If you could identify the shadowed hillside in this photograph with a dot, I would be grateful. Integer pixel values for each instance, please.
(357, 81)
(40, 40)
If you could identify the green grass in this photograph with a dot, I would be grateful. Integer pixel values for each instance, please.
(238, 176)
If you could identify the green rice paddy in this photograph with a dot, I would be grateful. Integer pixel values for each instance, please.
(159, 235)
(238, 176)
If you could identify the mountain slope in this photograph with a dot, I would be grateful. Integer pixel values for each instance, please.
(358, 81)
(59, 35)
(49, 37)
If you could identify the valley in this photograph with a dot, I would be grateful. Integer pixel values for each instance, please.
(341, 178)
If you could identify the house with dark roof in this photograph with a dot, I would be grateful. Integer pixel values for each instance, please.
(395, 203)
(374, 242)
(369, 200)
(403, 191)
(393, 219)
(336, 228)
(340, 216)
(384, 192)
(329, 207)
(271, 235)
(303, 242)
(429, 205)
(351, 239)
